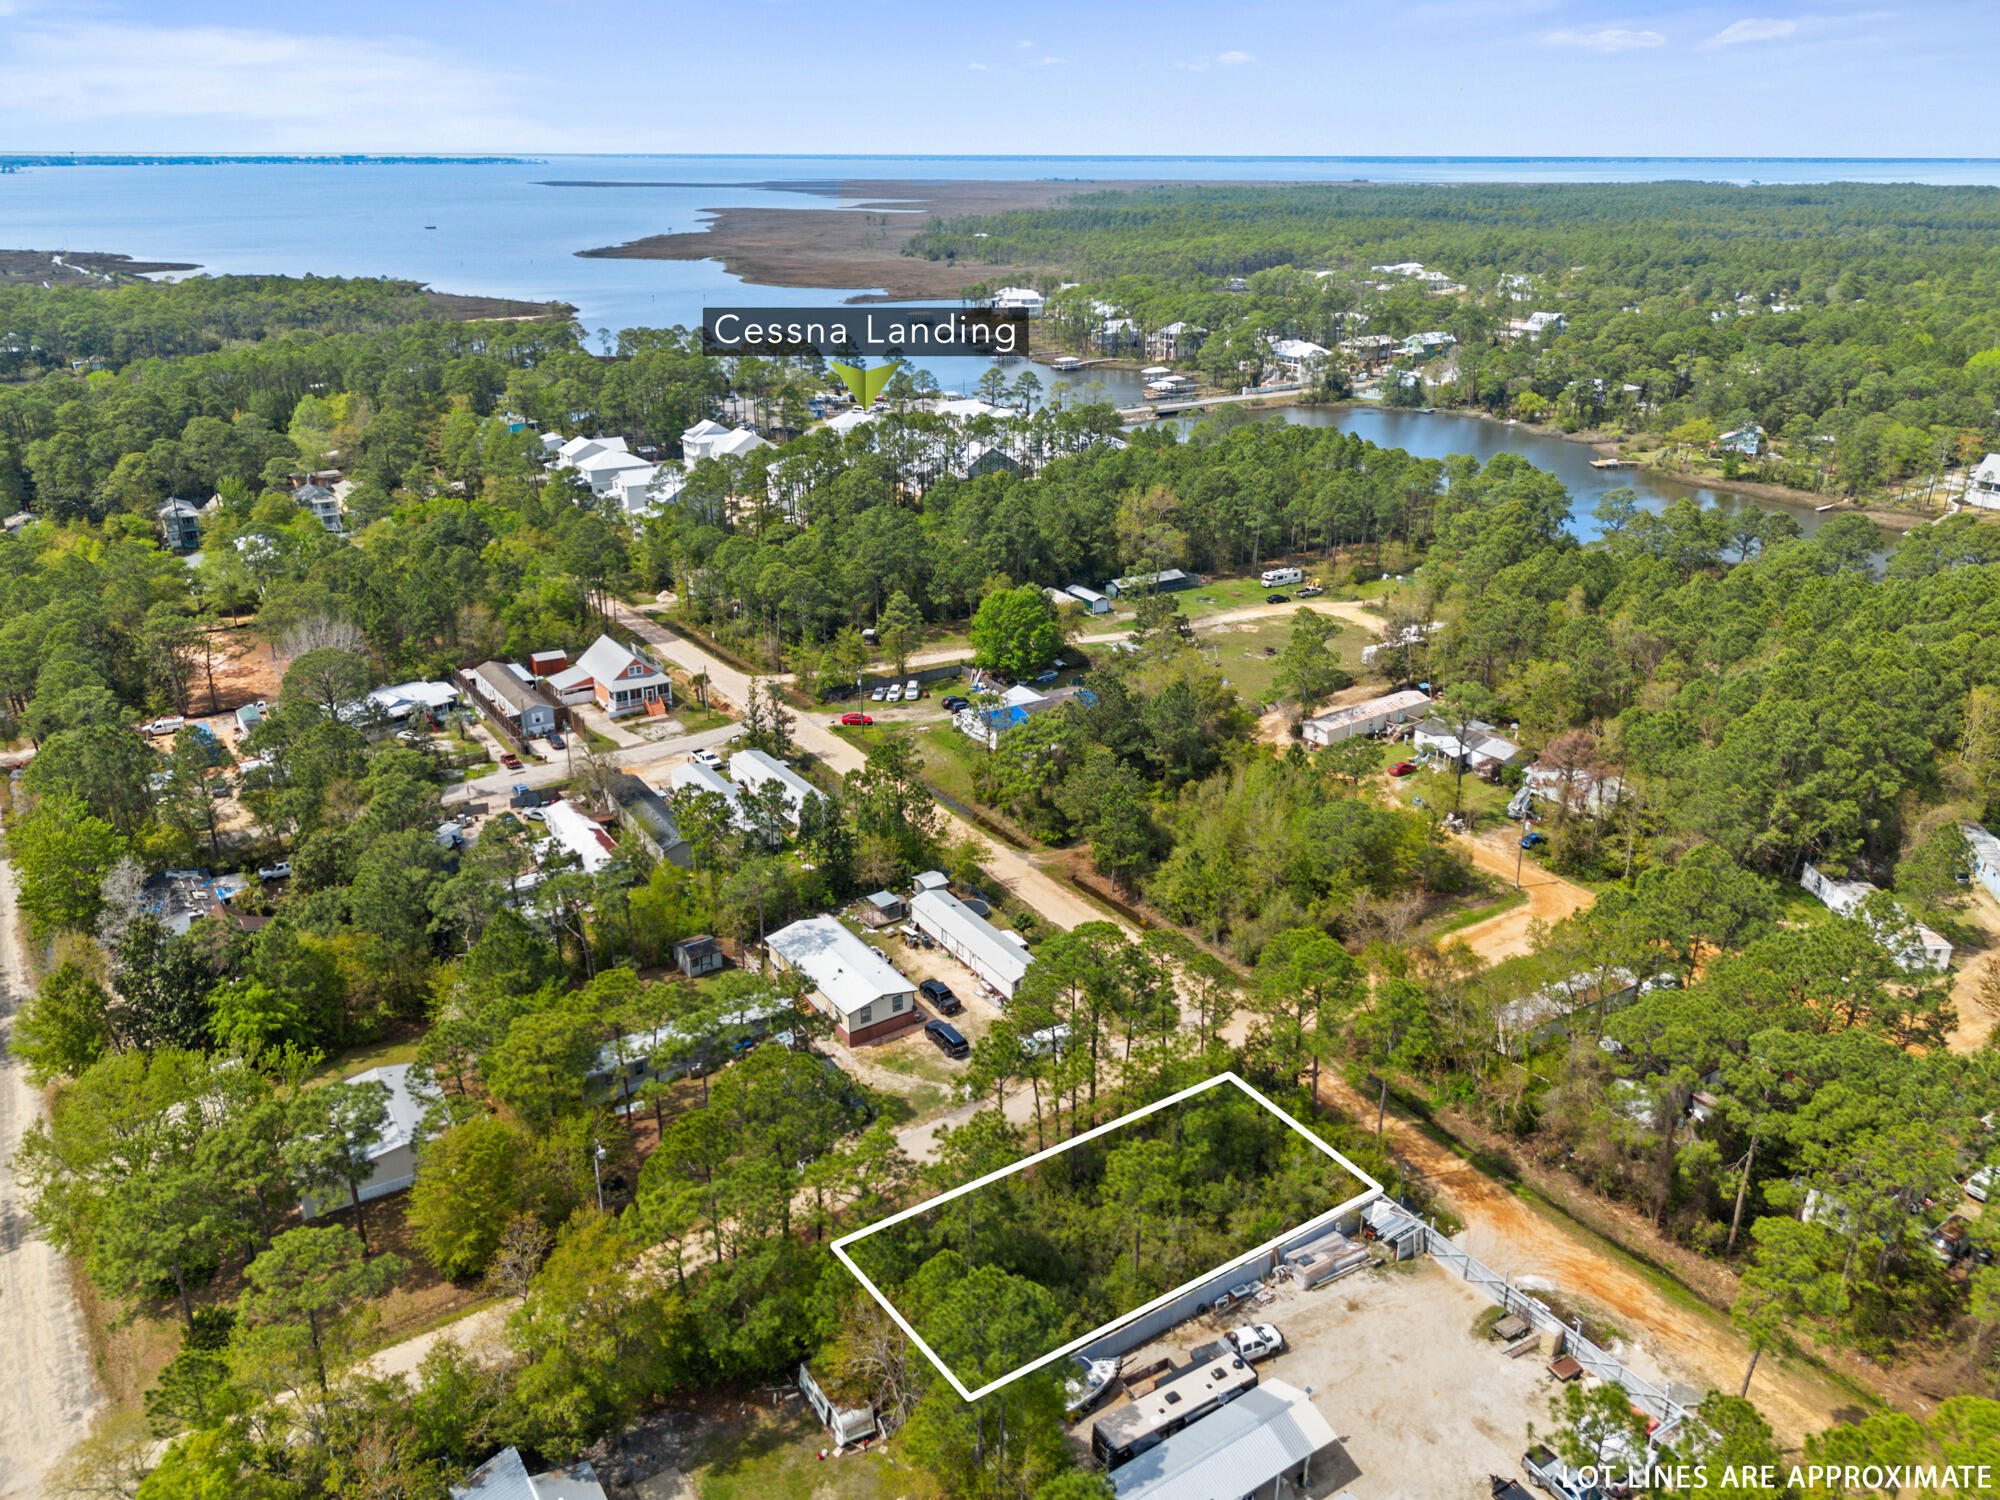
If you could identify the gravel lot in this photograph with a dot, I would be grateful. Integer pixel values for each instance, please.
(1424, 1409)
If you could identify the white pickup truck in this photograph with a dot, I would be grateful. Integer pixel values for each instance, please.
(1255, 1341)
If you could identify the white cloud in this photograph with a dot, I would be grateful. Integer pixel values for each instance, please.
(1220, 60)
(256, 89)
(977, 67)
(1607, 39)
(1027, 44)
(1049, 62)
(1757, 29)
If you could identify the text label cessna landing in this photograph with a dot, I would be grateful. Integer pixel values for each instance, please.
(980, 331)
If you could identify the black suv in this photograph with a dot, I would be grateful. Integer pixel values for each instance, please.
(954, 703)
(946, 1038)
(939, 994)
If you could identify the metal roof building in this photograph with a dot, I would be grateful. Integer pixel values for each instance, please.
(1263, 1436)
(751, 769)
(852, 982)
(999, 958)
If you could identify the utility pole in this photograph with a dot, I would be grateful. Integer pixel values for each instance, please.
(597, 1171)
(1521, 852)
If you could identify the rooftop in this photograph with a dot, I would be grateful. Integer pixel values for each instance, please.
(843, 968)
(1261, 1434)
(993, 948)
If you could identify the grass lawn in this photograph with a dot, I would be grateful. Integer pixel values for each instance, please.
(776, 1457)
(695, 719)
(360, 1059)
(1506, 900)
(1239, 652)
(948, 756)
(598, 743)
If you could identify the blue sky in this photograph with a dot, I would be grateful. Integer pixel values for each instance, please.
(1419, 77)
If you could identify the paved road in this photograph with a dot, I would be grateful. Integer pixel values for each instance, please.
(49, 1393)
(1053, 899)
(547, 773)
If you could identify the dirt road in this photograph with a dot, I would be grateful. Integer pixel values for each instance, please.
(1666, 1335)
(1550, 899)
(49, 1394)
(1975, 1021)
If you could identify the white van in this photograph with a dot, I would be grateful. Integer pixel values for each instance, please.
(1272, 578)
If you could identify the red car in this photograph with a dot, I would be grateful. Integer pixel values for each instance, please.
(861, 719)
(1402, 768)
(511, 762)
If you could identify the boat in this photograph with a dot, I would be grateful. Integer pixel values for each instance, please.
(430, 226)
(1093, 1378)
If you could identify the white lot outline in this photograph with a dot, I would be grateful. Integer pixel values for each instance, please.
(839, 1246)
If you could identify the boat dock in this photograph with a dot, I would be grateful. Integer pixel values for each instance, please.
(1614, 463)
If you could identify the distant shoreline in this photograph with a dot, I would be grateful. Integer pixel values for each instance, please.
(840, 249)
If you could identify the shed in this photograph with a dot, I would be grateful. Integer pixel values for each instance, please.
(1092, 601)
(697, 956)
(547, 663)
(505, 1477)
(882, 908)
(931, 880)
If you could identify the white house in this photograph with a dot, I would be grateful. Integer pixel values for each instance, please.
(1538, 323)
(1371, 717)
(619, 679)
(693, 776)
(1424, 345)
(852, 982)
(402, 699)
(1483, 747)
(999, 957)
(709, 439)
(603, 470)
(392, 1155)
(576, 833)
(571, 453)
(1020, 298)
(1915, 948)
(1983, 488)
(753, 769)
(1298, 358)
(1985, 856)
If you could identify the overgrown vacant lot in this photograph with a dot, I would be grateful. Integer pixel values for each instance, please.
(998, 1276)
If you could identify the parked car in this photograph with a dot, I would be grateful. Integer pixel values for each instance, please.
(282, 870)
(707, 758)
(1255, 1341)
(555, 740)
(1403, 768)
(1043, 679)
(1277, 598)
(880, 695)
(1310, 591)
(863, 720)
(1531, 838)
(954, 703)
(1950, 1241)
(945, 1037)
(912, 690)
(1545, 1470)
(534, 814)
(511, 762)
(895, 693)
(1980, 1184)
(172, 724)
(939, 994)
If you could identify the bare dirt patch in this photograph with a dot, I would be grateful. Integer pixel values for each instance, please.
(1550, 899)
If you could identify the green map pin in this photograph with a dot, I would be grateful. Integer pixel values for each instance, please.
(865, 385)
